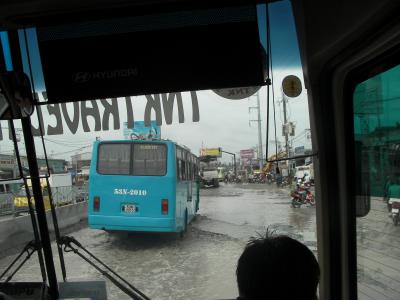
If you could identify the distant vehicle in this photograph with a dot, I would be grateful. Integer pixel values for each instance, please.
(61, 188)
(269, 167)
(82, 177)
(259, 177)
(302, 195)
(242, 176)
(8, 189)
(221, 173)
(305, 172)
(142, 185)
(395, 210)
(10, 186)
(209, 171)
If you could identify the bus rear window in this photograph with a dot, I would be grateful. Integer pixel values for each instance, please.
(114, 159)
(141, 160)
(149, 160)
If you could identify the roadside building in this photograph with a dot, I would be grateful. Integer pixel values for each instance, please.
(381, 152)
(9, 167)
(81, 160)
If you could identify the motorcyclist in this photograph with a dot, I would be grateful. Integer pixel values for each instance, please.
(388, 182)
(393, 193)
(226, 178)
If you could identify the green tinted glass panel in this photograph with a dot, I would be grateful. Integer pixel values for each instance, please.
(377, 144)
(377, 128)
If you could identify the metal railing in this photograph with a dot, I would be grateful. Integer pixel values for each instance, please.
(16, 204)
(6, 203)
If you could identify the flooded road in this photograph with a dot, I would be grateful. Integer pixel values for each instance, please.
(201, 265)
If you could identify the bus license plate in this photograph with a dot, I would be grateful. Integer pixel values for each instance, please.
(129, 208)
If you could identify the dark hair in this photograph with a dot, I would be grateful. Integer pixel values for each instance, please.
(277, 267)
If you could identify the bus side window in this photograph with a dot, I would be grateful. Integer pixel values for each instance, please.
(2, 188)
(183, 169)
(177, 169)
(180, 169)
(8, 188)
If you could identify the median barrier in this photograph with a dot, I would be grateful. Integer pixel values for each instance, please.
(16, 232)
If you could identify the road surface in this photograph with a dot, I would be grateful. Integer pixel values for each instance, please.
(202, 264)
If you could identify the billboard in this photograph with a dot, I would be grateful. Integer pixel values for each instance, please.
(211, 152)
(247, 154)
(141, 132)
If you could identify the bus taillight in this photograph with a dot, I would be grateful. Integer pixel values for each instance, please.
(164, 206)
(96, 203)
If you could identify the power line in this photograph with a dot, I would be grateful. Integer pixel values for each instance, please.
(65, 143)
(74, 150)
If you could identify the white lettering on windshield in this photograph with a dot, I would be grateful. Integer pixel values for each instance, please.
(60, 118)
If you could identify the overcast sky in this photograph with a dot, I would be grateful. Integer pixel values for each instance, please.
(223, 123)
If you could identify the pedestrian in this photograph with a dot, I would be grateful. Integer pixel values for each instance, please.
(277, 267)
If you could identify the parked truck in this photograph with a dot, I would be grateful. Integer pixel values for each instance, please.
(61, 190)
(209, 171)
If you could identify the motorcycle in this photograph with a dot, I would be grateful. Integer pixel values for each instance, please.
(269, 178)
(307, 184)
(395, 210)
(262, 178)
(301, 196)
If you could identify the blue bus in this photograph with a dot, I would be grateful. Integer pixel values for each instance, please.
(142, 185)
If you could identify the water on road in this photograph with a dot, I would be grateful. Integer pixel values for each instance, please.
(201, 265)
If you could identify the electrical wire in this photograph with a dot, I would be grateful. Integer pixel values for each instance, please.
(74, 150)
(65, 144)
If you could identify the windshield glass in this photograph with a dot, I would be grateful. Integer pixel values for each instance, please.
(137, 179)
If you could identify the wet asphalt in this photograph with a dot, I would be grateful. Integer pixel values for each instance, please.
(202, 264)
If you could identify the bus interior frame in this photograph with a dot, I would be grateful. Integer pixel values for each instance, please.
(340, 43)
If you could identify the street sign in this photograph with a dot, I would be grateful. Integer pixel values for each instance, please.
(291, 86)
(211, 152)
(247, 154)
(237, 93)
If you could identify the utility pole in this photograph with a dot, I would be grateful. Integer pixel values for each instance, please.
(258, 120)
(285, 122)
(291, 87)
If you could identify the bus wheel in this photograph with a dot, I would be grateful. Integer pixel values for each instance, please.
(184, 230)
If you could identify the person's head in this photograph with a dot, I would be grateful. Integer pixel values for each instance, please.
(277, 267)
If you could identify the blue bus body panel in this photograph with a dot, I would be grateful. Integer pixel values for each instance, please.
(145, 192)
